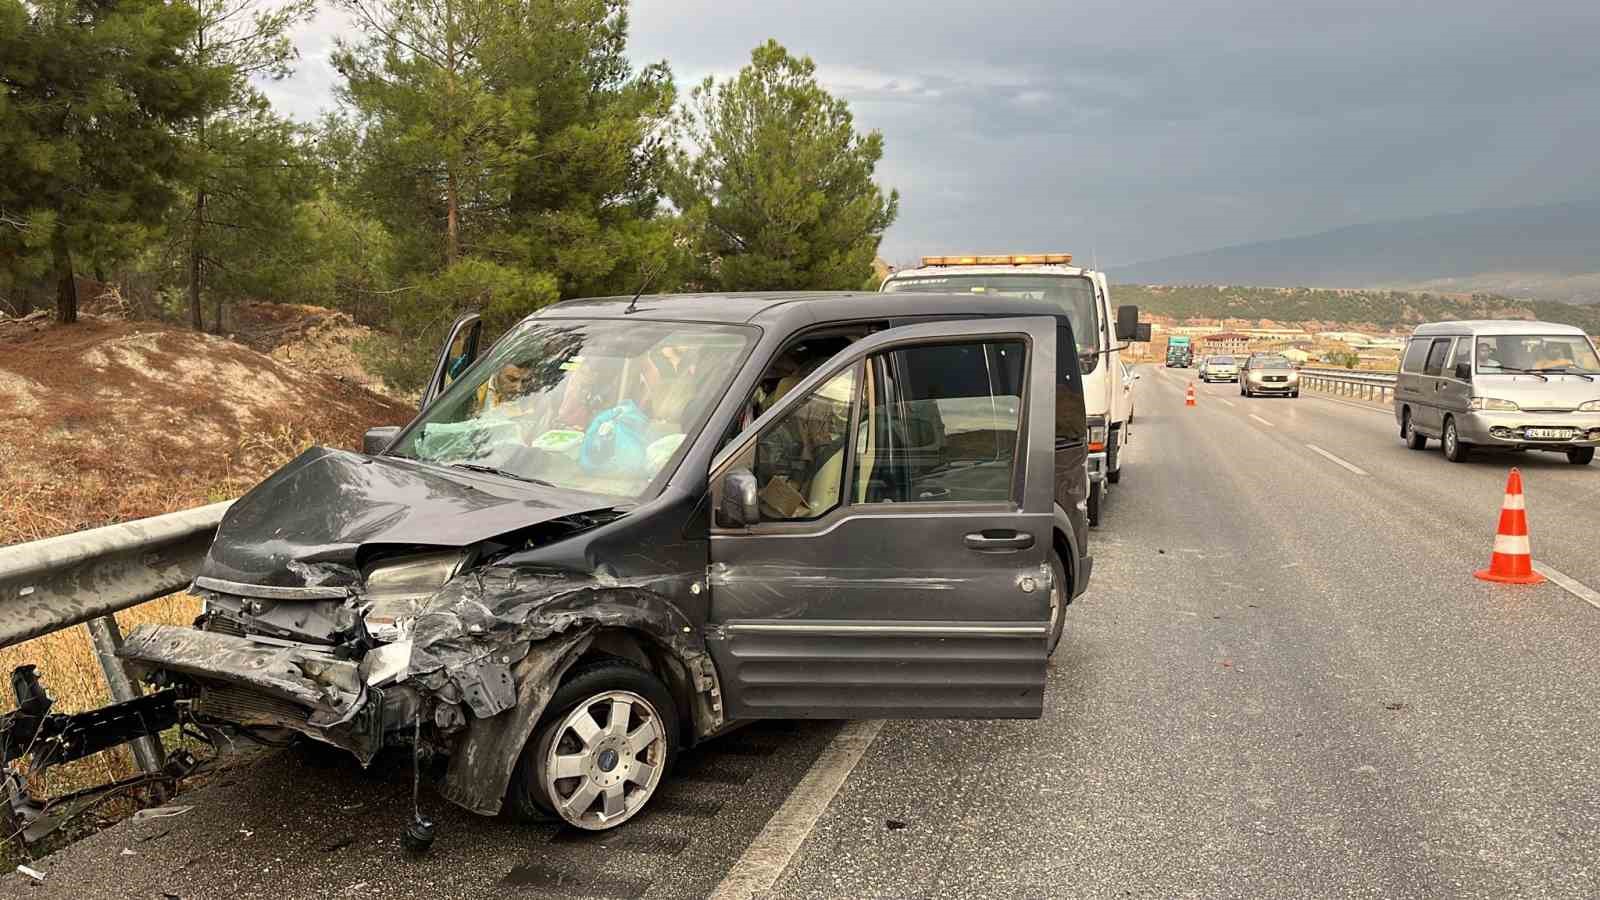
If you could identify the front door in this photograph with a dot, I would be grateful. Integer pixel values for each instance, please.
(897, 564)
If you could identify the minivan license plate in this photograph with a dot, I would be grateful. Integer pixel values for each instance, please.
(1549, 434)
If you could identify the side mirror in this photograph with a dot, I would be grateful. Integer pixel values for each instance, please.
(741, 501)
(1127, 323)
(1464, 371)
(1142, 335)
(377, 440)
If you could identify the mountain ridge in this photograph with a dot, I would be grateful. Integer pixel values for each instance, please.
(1549, 252)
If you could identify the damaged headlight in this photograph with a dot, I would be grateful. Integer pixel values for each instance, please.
(395, 587)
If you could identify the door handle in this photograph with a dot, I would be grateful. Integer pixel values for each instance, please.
(998, 540)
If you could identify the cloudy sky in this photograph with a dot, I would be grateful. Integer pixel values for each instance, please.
(1136, 129)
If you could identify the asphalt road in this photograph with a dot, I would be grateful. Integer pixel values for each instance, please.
(1284, 682)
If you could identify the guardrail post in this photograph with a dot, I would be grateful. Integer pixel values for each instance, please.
(107, 638)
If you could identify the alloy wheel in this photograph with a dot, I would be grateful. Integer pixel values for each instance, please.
(604, 760)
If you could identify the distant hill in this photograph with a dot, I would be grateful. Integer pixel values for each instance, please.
(1375, 310)
(1547, 252)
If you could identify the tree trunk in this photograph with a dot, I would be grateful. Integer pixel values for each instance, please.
(452, 223)
(195, 319)
(66, 280)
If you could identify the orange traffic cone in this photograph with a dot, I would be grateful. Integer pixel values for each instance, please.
(1512, 562)
(1188, 395)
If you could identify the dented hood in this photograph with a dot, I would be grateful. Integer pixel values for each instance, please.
(325, 505)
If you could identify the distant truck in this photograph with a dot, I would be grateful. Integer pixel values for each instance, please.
(1180, 353)
(1102, 335)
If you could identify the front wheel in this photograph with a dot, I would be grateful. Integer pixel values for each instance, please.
(1097, 493)
(1580, 456)
(1454, 450)
(606, 740)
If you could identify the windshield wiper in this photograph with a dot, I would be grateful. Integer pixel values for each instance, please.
(1563, 371)
(491, 470)
(1516, 371)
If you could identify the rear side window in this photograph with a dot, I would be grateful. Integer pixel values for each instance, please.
(1436, 356)
(1416, 352)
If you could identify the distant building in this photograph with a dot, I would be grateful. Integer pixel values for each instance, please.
(1227, 342)
(1296, 355)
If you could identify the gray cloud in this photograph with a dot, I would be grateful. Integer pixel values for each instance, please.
(1145, 128)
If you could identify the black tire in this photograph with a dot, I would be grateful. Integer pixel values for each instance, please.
(1060, 591)
(1454, 449)
(1113, 458)
(526, 798)
(1409, 434)
(1580, 456)
(1294, 393)
(1097, 493)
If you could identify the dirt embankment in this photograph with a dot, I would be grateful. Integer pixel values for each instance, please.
(109, 420)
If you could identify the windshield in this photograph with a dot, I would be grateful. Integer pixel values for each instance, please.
(594, 406)
(1536, 353)
(1222, 361)
(1270, 362)
(1073, 294)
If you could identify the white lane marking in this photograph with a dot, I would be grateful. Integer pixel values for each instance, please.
(1224, 402)
(1261, 420)
(1569, 584)
(1336, 460)
(758, 868)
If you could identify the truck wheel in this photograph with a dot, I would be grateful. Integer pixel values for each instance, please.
(1096, 495)
(1059, 591)
(1580, 456)
(1454, 450)
(1113, 458)
(606, 739)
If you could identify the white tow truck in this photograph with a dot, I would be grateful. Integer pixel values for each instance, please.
(1102, 335)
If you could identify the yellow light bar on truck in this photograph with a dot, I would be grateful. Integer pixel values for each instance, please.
(1007, 259)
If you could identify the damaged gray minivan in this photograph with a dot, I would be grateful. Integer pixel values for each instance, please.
(632, 524)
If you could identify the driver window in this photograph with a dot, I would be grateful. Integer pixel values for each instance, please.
(800, 458)
(942, 425)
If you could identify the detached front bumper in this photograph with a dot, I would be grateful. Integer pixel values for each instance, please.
(281, 684)
(1510, 429)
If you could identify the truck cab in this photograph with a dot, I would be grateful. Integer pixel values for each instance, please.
(1103, 333)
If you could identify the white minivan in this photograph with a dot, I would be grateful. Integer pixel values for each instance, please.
(1508, 385)
(1102, 335)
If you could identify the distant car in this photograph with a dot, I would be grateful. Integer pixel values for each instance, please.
(1219, 368)
(1268, 373)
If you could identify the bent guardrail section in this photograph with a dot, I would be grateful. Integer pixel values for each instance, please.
(85, 578)
(63, 581)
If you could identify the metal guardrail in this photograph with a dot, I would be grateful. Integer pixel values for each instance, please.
(84, 578)
(1350, 382)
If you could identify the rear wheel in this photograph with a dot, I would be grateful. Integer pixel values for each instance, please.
(1454, 450)
(599, 753)
(1114, 458)
(1580, 456)
(1096, 495)
(1059, 589)
(1409, 434)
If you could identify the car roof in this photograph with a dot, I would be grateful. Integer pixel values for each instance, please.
(787, 310)
(1494, 326)
(1031, 269)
